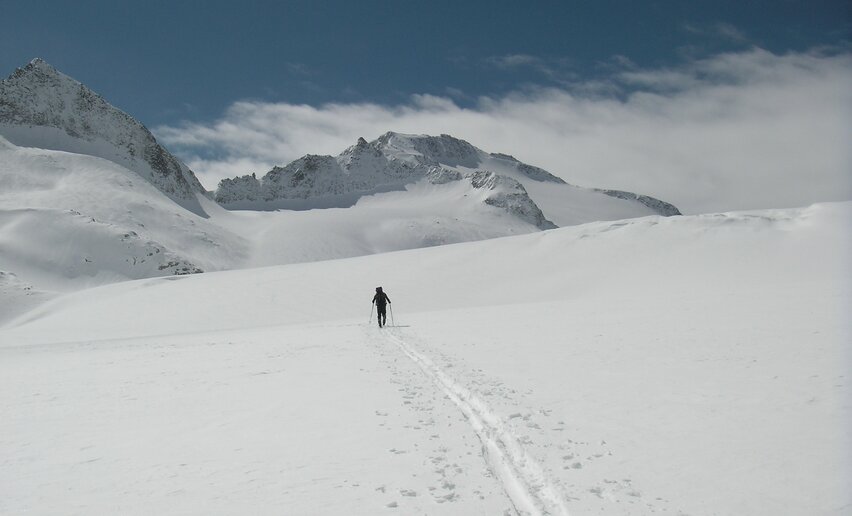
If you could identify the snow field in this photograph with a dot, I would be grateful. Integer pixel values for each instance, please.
(695, 365)
(729, 412)
(267, 422)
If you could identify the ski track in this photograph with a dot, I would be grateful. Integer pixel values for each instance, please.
(523, 479)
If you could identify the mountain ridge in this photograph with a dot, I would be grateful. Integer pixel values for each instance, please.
(42, 107)
(394, 160)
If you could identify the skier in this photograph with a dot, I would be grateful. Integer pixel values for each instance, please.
(381, 301)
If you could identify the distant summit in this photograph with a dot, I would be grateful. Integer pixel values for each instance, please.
(385, 164)
(42, 107)
(395, 160)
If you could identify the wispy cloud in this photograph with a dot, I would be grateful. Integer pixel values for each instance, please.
(558, 69)
(515, 60)
(300, 69)
(731, 33)
(739, 130)
(723, 31)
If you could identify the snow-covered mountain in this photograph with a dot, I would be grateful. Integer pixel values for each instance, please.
(44, 108)
(393, 161)
(70, 221)
(88, 196)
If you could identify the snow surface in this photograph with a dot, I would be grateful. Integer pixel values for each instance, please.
(689, 365)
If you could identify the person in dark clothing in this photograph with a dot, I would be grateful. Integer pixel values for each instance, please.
(381, 300)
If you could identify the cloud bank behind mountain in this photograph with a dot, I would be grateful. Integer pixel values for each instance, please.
(743, 130)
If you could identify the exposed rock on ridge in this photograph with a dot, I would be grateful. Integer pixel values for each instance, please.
(510, 195)
(391, 161)
(395, 160)
(663, 208)
(42, 107)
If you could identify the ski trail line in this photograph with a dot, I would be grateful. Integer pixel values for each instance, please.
(522, 477)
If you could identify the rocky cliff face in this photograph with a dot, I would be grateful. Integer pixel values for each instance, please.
(508, 194)
(42, 107)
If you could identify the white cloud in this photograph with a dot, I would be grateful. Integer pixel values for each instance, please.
(731, 33)
(735, 131)
(515, 60)
(557, 69)
(721, 30)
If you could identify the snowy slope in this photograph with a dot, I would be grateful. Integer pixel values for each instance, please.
(689, 365)
(44, 108)
(70, 221)
(421, 215)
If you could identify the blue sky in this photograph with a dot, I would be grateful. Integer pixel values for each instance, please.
(164, 61)
(711, 105)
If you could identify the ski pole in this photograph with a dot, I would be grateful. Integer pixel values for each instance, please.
(391, 307)
(371, 313)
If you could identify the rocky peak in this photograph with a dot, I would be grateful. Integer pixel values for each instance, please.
(395, 160)
(39, 95)
(42, 107)
(38, 67)
(449, 151)
(430, 150)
